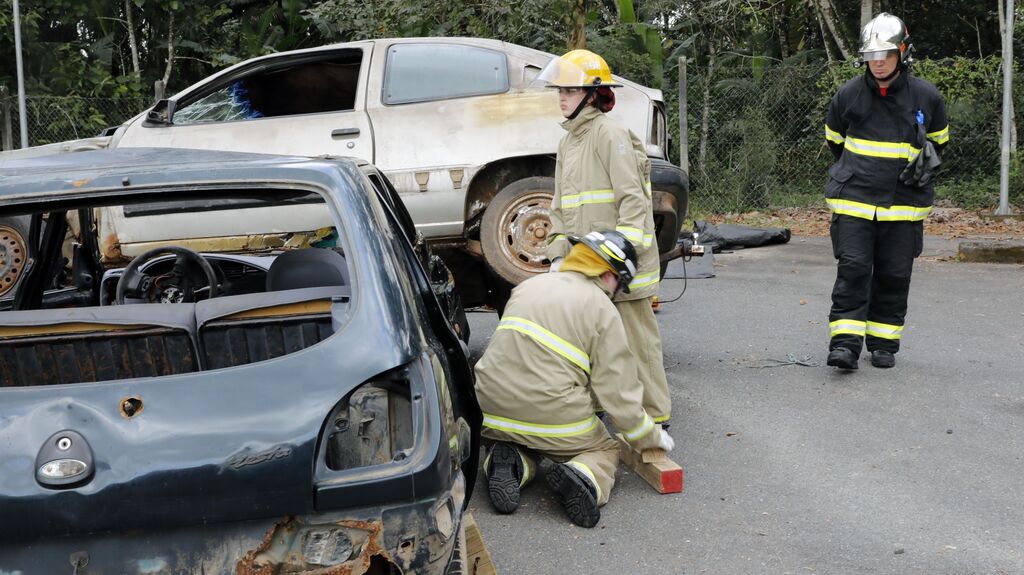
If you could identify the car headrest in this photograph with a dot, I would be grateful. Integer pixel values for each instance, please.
(307, 268)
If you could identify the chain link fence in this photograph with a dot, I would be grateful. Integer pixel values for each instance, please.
(756, 137)
(57, 119)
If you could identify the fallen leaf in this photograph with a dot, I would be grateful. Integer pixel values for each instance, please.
(803, 302)
(730, 433)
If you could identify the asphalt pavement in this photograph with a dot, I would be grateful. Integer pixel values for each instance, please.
(796, 469)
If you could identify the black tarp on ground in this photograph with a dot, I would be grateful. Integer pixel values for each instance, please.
(731, 236)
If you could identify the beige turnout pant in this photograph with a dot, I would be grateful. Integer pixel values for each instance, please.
(594, 453)
(645, 343)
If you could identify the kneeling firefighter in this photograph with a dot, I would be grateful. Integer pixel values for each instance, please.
(559, 354)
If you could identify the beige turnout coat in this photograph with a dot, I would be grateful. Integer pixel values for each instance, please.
(602, 182)
(559, 347)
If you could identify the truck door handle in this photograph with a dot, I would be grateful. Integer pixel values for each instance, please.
(342, 132)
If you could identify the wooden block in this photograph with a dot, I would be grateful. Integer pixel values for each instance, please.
(664, 476)
(653, 455)
(476, 552)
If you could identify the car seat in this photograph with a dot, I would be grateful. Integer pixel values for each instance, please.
(307, 268)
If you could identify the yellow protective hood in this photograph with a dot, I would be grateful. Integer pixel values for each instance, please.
(583, 260)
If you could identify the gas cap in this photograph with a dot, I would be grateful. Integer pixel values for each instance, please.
(65, 460)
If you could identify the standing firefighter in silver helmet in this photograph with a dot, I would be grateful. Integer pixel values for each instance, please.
(886, 130)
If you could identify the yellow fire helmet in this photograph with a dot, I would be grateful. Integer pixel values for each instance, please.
(577, 69)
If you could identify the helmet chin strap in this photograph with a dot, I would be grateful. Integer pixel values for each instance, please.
(583, 104)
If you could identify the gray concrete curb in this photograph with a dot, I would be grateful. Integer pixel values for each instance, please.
(996, 252)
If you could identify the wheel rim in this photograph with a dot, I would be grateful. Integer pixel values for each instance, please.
(524, 227)
(12, 258)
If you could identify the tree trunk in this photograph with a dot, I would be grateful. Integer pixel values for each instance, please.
(170, 49)
(782, 30)
(131, 38)
(577, 21)
(824, 36)
(828, 14)
(867, 11)
(1013, 115)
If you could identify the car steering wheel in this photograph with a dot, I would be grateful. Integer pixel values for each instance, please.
(140, 282)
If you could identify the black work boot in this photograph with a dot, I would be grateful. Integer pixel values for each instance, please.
(882, 358)
(843, 358)
(504, 476)
(577, 494)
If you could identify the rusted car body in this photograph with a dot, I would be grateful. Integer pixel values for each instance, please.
(304, 405)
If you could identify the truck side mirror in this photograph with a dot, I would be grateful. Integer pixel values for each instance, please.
(162, 113)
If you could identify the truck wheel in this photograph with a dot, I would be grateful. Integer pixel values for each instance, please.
(515, 227)
(13, 251)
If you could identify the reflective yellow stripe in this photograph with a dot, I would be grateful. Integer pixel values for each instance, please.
(662, 419)
(648, 240)
(647, 188)
(939, 137)
(527, 468)
(903, 213)
(548, 340)
(555, 237)
(635, 235)
(897, 150)
(540, 429)
(847, 326)
(641, 430)
(590, 475)
(453, 442)
(870, 212)
(849, 208)
(590, 197)
(884, 330)
(833, 136)
(644, 280)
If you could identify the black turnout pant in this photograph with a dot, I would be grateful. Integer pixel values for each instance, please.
(869, 299)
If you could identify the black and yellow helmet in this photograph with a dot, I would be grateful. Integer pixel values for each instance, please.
(615, 249)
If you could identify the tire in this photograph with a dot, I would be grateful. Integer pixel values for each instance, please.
(460, 561)
(514, 230)
(13, 252)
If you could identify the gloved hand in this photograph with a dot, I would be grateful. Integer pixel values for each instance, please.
(665, 440)
(556, 264)
(924, 167)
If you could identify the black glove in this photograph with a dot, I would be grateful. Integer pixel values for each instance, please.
(924, 167)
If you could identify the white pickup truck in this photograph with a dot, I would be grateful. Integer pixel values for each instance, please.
(456, 124)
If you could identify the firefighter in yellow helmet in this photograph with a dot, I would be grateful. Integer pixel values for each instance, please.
(602, 181)
(559, 354)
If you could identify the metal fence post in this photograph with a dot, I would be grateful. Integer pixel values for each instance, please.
(684, 129)
(6, 133)
(1004, 160)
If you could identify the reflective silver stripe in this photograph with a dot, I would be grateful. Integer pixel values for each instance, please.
(644, 280)
(641, 430)
(591, 197)
(833, 136)
(897, 150)
(884, 330)
(540, 429)
(903, 213)
(855, 209)
(847, 326)
(548, 340)
(635, 235)
(590, 475)
(940, 136)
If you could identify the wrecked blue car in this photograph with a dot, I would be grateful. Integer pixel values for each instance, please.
(228, 363)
